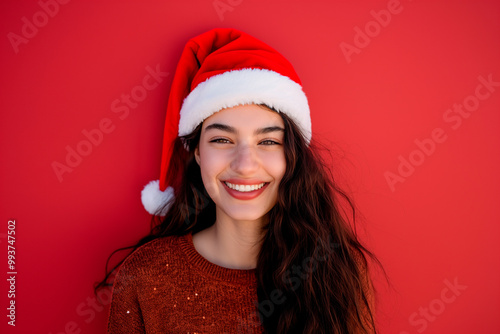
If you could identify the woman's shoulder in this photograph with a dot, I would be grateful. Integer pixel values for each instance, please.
(153, 254)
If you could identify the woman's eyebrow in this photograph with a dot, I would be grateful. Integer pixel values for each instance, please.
(231, 129)
(222, 127)
(269, 129)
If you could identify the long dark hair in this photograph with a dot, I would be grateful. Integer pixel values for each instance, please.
(312, 270)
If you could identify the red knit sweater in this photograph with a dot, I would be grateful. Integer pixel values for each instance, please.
(166, 286)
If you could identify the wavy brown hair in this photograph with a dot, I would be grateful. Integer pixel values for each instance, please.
(312, 270)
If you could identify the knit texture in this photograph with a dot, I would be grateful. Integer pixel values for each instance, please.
(166, 286)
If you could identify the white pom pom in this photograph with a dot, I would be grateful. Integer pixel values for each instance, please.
(154, 199)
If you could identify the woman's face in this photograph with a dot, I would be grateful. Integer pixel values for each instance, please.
(242, 160)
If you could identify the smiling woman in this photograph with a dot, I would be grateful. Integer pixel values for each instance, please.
(242, 162)
(248, 235)
(241, 158)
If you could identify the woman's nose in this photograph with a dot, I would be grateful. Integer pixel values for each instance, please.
(245, 160)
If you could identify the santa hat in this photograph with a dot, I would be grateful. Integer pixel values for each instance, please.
(219, 69)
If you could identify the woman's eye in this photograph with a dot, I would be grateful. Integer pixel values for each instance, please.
(269, 142)
(220, 141)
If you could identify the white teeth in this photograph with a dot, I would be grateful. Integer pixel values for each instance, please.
(244, 187)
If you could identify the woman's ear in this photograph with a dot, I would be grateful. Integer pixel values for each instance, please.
(197, 154)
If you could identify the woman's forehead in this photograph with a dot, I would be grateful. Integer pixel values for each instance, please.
(245, 117)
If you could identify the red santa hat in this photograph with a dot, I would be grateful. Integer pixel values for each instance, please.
(219, 69)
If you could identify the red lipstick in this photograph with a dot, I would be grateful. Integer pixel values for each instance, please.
(247, 195)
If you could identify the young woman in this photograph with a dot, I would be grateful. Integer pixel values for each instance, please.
(249, 235)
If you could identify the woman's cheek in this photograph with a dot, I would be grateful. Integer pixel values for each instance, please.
(212, 165)
(276, 164)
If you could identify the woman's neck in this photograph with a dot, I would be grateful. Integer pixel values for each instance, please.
(230, 244)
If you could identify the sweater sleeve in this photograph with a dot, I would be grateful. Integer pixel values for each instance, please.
(125, 312)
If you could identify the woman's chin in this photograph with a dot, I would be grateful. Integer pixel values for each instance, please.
(247, 214)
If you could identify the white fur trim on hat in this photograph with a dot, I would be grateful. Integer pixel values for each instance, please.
(245, 86)
(154, 199)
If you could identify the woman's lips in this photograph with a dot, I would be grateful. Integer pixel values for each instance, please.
(246, 194)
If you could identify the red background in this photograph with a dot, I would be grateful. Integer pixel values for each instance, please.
(440, 224)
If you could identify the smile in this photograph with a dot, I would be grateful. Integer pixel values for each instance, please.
(245, 191)
(244, 188)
